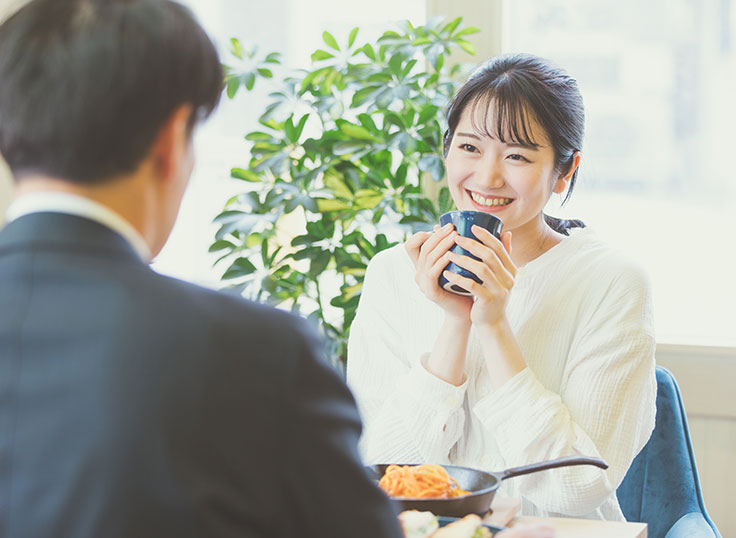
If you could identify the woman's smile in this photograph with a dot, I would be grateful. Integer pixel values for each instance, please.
(488, 203)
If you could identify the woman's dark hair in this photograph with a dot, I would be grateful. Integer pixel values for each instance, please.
(87, 84)
(520, 88)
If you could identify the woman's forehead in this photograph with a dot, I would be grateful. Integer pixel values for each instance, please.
(509, 124)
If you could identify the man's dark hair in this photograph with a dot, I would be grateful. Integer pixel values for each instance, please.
(85, 85)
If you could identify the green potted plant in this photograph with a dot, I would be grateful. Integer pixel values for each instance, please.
(336, 170)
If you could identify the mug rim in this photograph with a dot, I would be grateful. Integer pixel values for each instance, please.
(454, 211)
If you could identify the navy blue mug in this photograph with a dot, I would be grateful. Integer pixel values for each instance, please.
(463, 221)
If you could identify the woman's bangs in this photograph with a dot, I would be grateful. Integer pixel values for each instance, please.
(502, 115)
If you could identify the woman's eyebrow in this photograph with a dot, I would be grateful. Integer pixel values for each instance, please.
(509, 144)
(469, 135)
(524, 146)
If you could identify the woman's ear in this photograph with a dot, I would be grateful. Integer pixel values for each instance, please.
(564, 179)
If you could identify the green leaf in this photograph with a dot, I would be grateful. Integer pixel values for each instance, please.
(367, 49)
(273, 58)
(428, 112)
(348, 147)
(407, 68)
(326, 205)
(467, 46)
(236, 48)
(467, 31)
(319, 55)
(399, 179)
(367, 199)
(240, 267)
(265, 73)
(367, 121)
(289, 129)
(439, 62)
(356, 131)
(445, 200)
(329, 40)
(337, 185)
(319, 263)
(315, 77)
(232, 87)
(249, 79)
(300, 126)
(258, 135)
(221, 244)
(353, 35)
(450, 26)
(364, 94)
(245, 175)
(433, 164)
(394, 64)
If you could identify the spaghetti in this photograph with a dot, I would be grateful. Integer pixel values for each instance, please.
(420, 482)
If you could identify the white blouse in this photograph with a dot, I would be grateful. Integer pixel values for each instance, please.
(582, 316)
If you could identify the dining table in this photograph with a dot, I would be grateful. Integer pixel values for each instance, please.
(505, 512)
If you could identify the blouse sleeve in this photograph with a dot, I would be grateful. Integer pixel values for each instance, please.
(409, 415)
(605, 408)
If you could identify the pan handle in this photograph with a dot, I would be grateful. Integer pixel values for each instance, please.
(552, 464)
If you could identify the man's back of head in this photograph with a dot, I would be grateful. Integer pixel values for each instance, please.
(88, 83)
(99, 100)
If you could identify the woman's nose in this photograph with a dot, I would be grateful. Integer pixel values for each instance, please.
(491, 174)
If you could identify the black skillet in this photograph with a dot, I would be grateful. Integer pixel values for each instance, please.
(481, 484)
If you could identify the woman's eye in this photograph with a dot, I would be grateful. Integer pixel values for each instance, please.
(468, 147)
(517, 157)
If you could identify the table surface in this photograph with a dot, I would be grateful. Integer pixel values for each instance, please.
(505, 510)
(586, 528)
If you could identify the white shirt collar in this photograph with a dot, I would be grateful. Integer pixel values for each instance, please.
(71, 204)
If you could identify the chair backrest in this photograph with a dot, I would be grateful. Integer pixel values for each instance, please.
(662, 484)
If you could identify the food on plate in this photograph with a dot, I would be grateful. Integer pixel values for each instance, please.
(426, 481)
(417, 524)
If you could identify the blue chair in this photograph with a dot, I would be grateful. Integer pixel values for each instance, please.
(662, 488)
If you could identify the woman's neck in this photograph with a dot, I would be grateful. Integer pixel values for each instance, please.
(531, 240)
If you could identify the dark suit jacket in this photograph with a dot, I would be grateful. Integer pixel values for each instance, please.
(136, 405)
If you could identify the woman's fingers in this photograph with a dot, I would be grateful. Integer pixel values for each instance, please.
(506, 240)
(489, 272)
(466, 283)
(414, 244)
(489, 259)
(422, 242)
(432, 253)
(502, 247)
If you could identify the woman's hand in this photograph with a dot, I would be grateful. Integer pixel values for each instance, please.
(494, 268)
(429, 253)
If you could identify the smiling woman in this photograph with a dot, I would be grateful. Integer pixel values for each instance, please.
(552, 356)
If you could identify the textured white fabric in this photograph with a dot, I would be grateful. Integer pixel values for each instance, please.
(582, 316)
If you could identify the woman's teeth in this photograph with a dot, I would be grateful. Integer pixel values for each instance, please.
(482, 200)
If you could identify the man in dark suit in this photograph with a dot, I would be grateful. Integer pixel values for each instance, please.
(131, 404)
